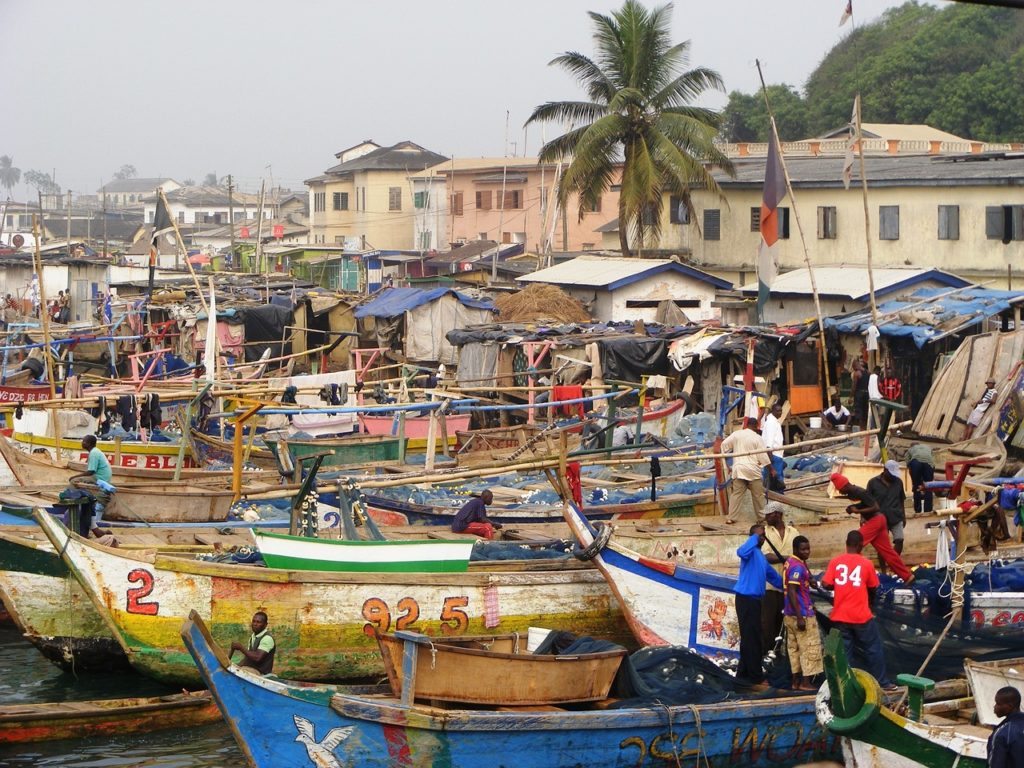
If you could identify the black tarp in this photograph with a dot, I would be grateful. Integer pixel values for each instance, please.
(267, 324)
(627, 358)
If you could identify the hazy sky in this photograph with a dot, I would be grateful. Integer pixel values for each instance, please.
(259, 88)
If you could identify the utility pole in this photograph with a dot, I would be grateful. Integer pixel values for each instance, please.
(69, 223)
(257, 254)
(105, 250)
(235, 266)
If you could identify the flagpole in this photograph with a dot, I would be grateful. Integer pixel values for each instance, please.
(867, 215)
(803, 242)
(181, 245)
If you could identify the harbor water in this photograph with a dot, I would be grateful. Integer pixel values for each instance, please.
(26, 677)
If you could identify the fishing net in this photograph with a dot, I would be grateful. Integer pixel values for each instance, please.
(507, 550)
(540, 302)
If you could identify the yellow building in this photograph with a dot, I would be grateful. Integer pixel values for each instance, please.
(365, 202)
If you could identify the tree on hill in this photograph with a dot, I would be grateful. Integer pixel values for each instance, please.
(127, 171)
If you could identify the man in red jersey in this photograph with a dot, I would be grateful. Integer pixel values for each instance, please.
(854, 581)
(873, 525)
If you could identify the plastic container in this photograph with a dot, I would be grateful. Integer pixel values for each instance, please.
(534, 637)
(814, 422)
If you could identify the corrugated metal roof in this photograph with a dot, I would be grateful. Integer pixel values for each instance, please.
(851, 281)
(614, 272)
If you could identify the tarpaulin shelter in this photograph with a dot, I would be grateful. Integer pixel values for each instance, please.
(417, 320)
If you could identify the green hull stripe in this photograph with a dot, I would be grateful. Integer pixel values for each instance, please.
(285, 562)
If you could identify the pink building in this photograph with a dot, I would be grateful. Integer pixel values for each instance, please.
(526, 212)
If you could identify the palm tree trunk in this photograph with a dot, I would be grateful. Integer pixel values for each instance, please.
(623, 227)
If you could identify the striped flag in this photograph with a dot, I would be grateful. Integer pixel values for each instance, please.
(847, 13)
(851, 143)
(774, 191)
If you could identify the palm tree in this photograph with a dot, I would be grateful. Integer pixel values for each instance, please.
(9, 175)
(639, 112)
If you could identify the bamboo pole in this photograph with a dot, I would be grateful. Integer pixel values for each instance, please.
(181, 245)
(867, 215)
(47, 357)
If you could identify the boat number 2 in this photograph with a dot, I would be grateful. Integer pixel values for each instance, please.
(454, 620)
(134, 595)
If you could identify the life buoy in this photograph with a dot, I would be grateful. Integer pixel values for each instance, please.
(589, 552)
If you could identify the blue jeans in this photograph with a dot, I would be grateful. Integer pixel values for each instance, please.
(863, 644)
(921, 473)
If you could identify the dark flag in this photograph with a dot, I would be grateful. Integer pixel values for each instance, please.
(162, 223)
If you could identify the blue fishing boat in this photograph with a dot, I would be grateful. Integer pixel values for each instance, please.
(278, 723)
(664, 602)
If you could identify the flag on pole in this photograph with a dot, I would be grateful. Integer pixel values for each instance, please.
(162, 224)
(774, 191)
(847, 13)
(851, 143)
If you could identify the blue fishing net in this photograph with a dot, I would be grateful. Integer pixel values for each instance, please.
(509, 550)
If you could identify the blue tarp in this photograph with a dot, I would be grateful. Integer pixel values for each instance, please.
(396, 301)
(961, 309)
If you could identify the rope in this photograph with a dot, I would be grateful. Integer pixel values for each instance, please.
(433, 654)
(671, 735)
(701, 753)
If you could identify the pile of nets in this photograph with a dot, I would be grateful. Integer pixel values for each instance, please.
(540, 302)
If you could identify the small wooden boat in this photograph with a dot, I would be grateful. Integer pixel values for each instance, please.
(323, 621)
(495, 670)
(416, 427)
(409, 556)
(24, 723)
(212, 448)
(665, 603)
(277, 722)
(345, 451)
(987, 677)
(120, 453)
(521, 441)
(938, 735)
(23, 393)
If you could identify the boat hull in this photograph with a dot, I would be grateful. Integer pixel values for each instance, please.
(416, 428)
(345, 452)
(322, 622)
(130, 454)
(268, 718)
(300, 553)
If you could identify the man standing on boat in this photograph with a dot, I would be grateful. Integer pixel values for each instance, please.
(98, 469)
(260, 653)
(771, 433)
(854, 581)
(779, 537)
(1006, 744)
(803, 641)
(887, 488)
(750, 588)
(746, 468)
(873, 527)
(472, 518)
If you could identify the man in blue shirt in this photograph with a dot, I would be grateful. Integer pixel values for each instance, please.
(472, 518)
(98, 470)
(750, 588)
(1006, 744)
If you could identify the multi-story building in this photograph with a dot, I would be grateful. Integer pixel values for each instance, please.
(366, 202)
(133, 193)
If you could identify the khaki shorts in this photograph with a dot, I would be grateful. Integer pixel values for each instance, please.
(804, 648)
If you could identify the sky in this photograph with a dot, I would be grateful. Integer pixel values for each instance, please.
(272, 90)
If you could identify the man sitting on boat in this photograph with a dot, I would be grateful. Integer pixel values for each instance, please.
(1006, 744)
(874, 528)
(260, 653)
(472, 518)
(98, 469)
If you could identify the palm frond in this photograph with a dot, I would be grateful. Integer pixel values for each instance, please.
(561, 147)
(597, 84)
(567, 112)
(686, 88)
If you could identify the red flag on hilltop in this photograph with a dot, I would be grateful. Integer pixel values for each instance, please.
(774, 191)
(847, 13)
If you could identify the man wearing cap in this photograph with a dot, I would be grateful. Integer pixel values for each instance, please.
(747, 468)
(887, 488)
(778, 537)
(873, 527)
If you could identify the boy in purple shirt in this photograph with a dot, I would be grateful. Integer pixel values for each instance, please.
(803, 642)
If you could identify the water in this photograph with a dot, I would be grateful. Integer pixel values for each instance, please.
(26, 677)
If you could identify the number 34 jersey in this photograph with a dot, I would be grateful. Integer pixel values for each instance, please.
(852, 576)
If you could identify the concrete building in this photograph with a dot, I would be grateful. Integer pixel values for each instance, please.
(132, 193)
(615, 288)
(201, 206)
(365, 201)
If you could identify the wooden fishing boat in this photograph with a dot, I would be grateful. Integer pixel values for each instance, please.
(344, 451)
(494, 670)
(24, 393)
(987, 677)
(938, 735)
(277, 722)
(321, 620)
(49, 607)
(408, 556)
(416, 427)
(25, 723)
(483, 446)
(39, 468)
(212, 448)
(121, 453)
(665, 603)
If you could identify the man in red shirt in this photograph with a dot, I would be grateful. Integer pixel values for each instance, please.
(873, 526)
(854, 581)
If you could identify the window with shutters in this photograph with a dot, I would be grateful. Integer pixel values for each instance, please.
(949, 222)
(827, 222)
(1004, 222)
(426, 237)
(339, 239)
(712, 224)
(483, 200)
(888, 222)
(678, 212)
(319, 202)
(649, 215)
(783, 217)
(394, 198)
(587, 246)
(341, 201)
(419, 199)
(456, 204)
(755, 219)
(594, 206)
(513, 199)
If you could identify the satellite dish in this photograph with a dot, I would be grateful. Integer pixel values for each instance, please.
(17, 241)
